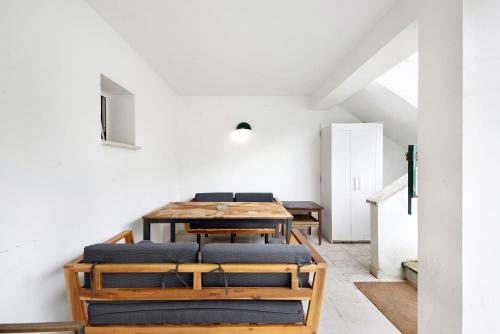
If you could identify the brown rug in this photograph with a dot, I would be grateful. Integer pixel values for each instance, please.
(396, 300)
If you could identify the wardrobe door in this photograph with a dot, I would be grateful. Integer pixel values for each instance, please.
(363, 177)
(341, 183)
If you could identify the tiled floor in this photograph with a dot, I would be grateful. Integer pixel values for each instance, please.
(345, 309)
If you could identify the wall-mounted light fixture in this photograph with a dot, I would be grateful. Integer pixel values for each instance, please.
(242, 132)
(243, 126)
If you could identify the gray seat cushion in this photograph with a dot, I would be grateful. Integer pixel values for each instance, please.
(253, 197)
(196, 312)
(142, 252)
(253, 253)
(213, 197)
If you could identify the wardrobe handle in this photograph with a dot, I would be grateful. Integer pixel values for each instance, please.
(355, 185)
(359, 182)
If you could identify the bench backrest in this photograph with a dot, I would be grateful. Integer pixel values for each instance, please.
(253, 197)
(220, 253)
(142, 252)
(214, 197)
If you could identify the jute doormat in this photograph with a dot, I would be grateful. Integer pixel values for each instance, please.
(396, 300)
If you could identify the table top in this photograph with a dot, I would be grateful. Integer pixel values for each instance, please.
(302, 205)
(220, 210)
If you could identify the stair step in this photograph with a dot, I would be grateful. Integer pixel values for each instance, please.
(412, 265)
(411, 272)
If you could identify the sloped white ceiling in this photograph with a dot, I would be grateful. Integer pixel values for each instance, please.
(391, 99)
(402, 79)
(377, 103)
(243, 47)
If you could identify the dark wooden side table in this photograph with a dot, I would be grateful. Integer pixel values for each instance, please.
(303, 215)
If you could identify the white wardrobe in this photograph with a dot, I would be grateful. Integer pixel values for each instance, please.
(351, 171)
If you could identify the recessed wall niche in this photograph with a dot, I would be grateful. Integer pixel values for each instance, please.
(117, 115)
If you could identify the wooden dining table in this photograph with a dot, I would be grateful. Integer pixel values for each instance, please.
(218, 212)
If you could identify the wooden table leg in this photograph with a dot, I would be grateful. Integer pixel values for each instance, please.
(277, 230)
(319, 227)
(288, 230)
(172, 232)
(146, 230)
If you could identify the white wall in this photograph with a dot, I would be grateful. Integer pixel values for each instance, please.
(481, 160)
(120, 117)
(440, 125)
(282, 154)
(458, 167)
(395, 164)
(60, 188)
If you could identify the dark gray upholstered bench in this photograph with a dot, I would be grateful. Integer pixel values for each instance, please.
(262, 227)
(200, 311)
(162, 287)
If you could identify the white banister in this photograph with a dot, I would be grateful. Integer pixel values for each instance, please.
(389, 191)
(394, 233)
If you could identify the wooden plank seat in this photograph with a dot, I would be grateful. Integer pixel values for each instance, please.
(245, 304)
(234, 227)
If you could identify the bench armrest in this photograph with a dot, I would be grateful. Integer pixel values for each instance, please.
(39, 327)
(298, 238)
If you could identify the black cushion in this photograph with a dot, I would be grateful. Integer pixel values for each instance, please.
(253, 197)
(240, 223)
(239, 197)
(196, 312)
(142, 252)
(254, 253)
(213, 197)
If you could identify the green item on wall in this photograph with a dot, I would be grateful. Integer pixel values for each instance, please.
(411, 157)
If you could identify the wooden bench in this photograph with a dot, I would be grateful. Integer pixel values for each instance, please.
(43, 327)
(232, 231)
(313, 293)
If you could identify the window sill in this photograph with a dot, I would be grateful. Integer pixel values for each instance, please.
(122, 145)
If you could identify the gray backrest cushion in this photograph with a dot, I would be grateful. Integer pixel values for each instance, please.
(253, 197)
(142, 252)
(214, 197)
(254, 253)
